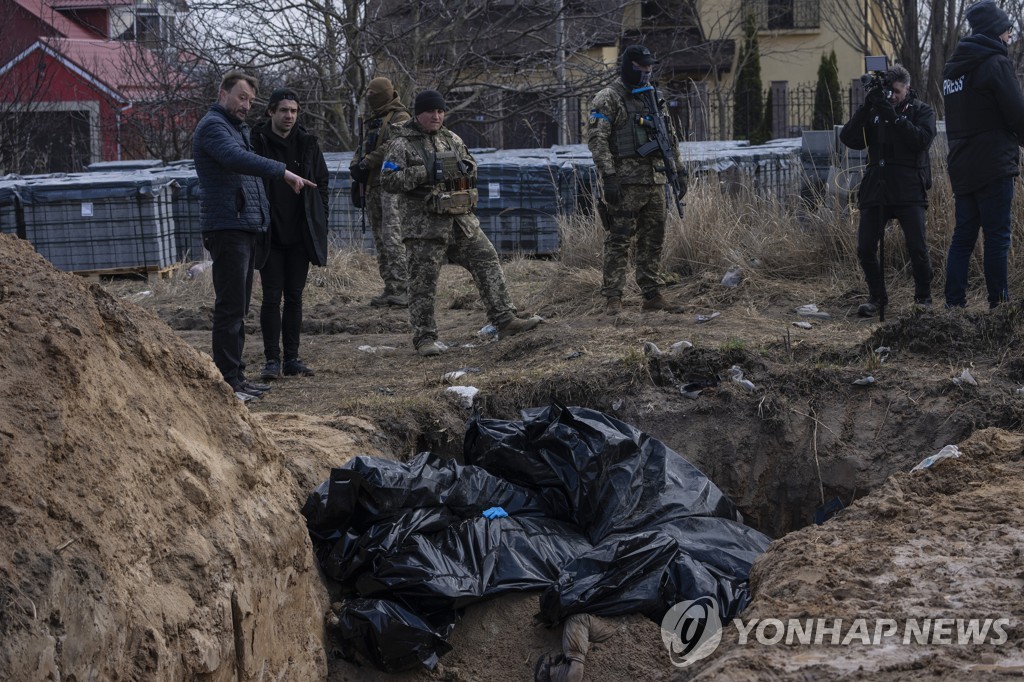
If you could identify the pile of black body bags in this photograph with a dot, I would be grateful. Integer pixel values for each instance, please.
(602, 518)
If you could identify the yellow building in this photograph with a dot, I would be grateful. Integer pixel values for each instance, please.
(698, 45)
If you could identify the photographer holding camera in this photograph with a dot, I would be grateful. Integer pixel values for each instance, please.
(985, 126)
(897, 129)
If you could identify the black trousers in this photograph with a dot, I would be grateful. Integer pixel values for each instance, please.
(872, 227)
(234, 259)
(284, 275)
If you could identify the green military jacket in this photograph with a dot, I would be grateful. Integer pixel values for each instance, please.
(404, 172)
(613, 134)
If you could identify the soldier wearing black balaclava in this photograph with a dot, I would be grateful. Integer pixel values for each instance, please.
(633, 204)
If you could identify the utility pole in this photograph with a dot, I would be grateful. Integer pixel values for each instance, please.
(563, 103)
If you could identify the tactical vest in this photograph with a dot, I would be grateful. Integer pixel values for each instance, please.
(451, 180)
(632, 134)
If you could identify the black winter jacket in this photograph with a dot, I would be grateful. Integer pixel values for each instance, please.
(231, 194)
(984, 114)
(309, 163)
(899, 168)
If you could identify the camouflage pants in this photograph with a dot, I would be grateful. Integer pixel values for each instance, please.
(641, 215)
(465, 244)
(387, 239)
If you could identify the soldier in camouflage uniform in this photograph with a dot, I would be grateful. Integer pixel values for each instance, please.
(386, 111)
(633, 199)
(433, 176)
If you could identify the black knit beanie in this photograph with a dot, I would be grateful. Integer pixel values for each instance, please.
(986, 19)
(429, 100)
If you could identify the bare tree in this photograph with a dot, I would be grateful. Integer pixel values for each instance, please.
(516, 73)
(513, 69)
(172, 89)
(922, 35)
(314, 46)
(144, 100)
(506, 66)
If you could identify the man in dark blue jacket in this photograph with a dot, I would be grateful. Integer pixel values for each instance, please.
(985, 126)
(233, 214)
(897, 129)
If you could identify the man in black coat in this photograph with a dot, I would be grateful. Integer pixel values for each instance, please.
(298, 231)
(897, 129)
(985, 126)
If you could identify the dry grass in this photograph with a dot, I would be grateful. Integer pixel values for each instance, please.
(348, 273)
(770, 240)
(765, 237)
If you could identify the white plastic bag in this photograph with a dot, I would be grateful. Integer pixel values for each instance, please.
(466, 394)
(944, 453)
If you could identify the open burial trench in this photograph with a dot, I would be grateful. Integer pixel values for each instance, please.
(806, 435)
(806, 441)
(800, 437)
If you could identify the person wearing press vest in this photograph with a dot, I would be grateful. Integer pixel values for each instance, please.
(897, 129)
(632, 170)
(385, 111)
(985, 128)
(433, 175)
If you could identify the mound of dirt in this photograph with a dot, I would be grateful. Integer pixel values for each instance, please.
(957, 335)
(149, 528)
(940, 543)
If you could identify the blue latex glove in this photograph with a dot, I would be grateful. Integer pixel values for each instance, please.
(496, 513)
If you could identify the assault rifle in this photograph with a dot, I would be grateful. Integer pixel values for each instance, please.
(367, 146)
(662, 142)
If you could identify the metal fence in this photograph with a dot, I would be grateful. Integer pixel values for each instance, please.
(707, 115)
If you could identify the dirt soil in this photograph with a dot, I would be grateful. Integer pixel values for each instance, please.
(942, 543)
(188, 559)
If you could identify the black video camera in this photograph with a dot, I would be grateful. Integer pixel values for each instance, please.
(877, 79)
